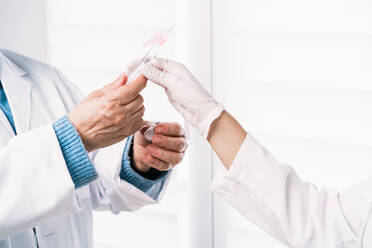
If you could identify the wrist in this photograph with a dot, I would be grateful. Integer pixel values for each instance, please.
(212, 111)
(77, 126)
(226, 146)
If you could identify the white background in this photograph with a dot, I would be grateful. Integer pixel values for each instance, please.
(297, 74)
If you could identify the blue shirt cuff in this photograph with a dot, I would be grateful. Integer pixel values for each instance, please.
(150, 183)
(76, 157)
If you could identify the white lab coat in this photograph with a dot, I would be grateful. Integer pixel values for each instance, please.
(36, 189)
(296, 213)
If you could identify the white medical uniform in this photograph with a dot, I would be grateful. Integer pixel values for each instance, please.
(36, 189)
(296, 213)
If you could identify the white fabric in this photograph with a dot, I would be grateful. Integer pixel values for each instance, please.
(185, 93)
(296, 213)
(36, 189)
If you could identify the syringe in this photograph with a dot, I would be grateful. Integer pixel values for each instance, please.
(156, 43)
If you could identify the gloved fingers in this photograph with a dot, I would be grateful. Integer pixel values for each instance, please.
(155, 75)
(162, 64)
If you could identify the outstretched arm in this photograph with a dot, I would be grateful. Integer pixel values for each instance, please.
(263, 190)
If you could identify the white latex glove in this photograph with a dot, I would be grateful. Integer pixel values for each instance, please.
(185, 93)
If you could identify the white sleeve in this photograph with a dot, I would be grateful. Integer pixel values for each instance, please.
(296, 213)
(110, 192)
(34, 181)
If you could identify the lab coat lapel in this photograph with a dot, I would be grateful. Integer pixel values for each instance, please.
(17, 89)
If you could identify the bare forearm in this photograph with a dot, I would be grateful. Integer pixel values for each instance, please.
(226, 136)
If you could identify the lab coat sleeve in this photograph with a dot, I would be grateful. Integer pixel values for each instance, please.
(109, 191)
(34, 181)
(296, 213)
(151, 182)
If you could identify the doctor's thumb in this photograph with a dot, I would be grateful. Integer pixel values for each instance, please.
(121, 80)
(136, 86)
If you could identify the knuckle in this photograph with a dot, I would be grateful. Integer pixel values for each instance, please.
(114, 95)
(106, 115)
(119, 120)
(132, 93)
(159, 153)
(150, 160)
(106, 106)
(159, 140)
(103, 105)
(165, 128)
(177, 128)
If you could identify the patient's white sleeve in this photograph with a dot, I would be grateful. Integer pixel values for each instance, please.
(272, 196)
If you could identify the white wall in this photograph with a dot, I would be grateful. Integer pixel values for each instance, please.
(22, 27)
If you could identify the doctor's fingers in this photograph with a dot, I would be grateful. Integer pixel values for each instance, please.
(170, 157)
(133, 106)
(121, 80)
(170, 129)
(137, 118)
(176, 144)
(132, 125)
(128, 92)
(156, 163)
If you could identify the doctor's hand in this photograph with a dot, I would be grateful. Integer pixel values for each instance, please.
(110, 114)
(184, 92)
(166, 150)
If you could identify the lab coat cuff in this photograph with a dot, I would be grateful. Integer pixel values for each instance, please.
(76, 157)
(145, 181)
(243, 162)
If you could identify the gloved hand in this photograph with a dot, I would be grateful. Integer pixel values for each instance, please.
(184, 92)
